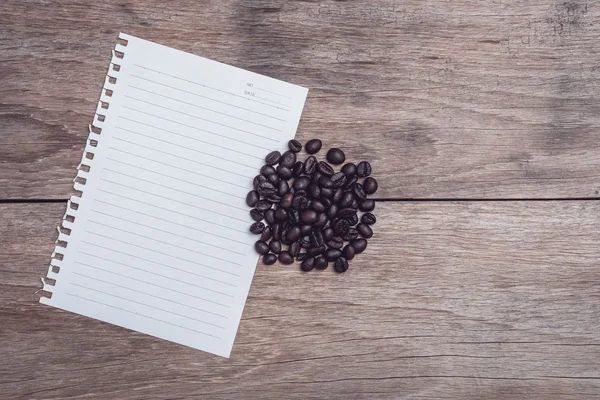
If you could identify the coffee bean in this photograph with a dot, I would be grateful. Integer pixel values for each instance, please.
(316, 239)
(263, 205)
(286, 202)
(305, 242)
(364, 230)
(305, 229)
(368, 219)
(258, 179)
(274, 198)
(346, 212)
(325, 182)
(346, 200)
(293, 234)
(294, 249)
(257, 228)
(267, 170)
(266, 189)
(350, 183)
(288, 159)
(367, 205)
(310, 165)
(363, 169)
(276, 231)
(359, 245)
(313, 146)
(308, 217)
(336, 156)
(257, 215)
(350, 234)
(338, 179)
(294, 146)
(337, 195)
(317, 206)
(349, 169)
(325, 168)
(266, 234)
(302, 183)
(321, 220)
(354, 204)
(332, 254)
(359, 192)
(308, 264)
(294, 216)
(327, 234)
(326, 192)
(332, 212)
(300, 203)
(315, 251)
(285, 258)
(326, 202)
(352, 220)
(340, 227)
(370, 185)
(348, 252)
(269, 259)
(273, 158)
(314, 190)
(336, 242)
(275, 246)
(284, 238)
(320, 263)
(281, 214)
(301, 257)
(284, 172)
(270, 216)
(283, 188)
(251, 198)
(261, 247)
(297, 170)
(341, 265)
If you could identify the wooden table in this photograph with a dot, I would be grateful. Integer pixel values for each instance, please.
(481, 120)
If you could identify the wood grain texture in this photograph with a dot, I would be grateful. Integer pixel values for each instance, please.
(460, 99)
(469, 300)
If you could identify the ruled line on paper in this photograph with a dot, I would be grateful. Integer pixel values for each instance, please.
(268, 91)
(208, 98)
(209, 87)
(141, 315)
(203, 108)
(148, 272)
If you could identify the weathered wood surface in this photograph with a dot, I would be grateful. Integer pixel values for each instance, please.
(469, 300)
(448, 99)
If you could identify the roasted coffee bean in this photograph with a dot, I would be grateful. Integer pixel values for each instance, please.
(326, 202)
(346, 200)
(340, 227)
(308, 264)
(354, 204)
(346, 212)
(266, 234)
(283, 188)
(349, 169)
(332, 254)
(310, 164)
(267, 170)
(321, 220)
(320, 263)
(367, 205)
(314, 190)
(316, 239)
(325, 182)
(301, 257)
(316, 176)
(315, 251)
(275, 246)
(305, 242)
(269, 259)
(280, 214)
(302, 183)
(261, 247)
(368, 219)
(285, 258)
(359, 192)
(350, 183)
(337, 195)
(284, 238)
(284, 172)
(308, 217)
(286, 202)
(338, 179)
(336, 156)
(257, 228)
(294, 249)
(363, 169)
(273, 158)
(270, 216)
(300, 203)
(313, 146)
(327, 234)
(257, 215)
(364, 230)
(336, 243)
(317, 206)
(350, 234)
(263, 205)
(274, 198)
(276, 231)
(294, 146)
(288, 159)
(258, 179)
(326, 192)
(293, 234)
(325, 168)
(348, 252)
(251, 198)
(370, 185)
(352, 220)
(297, 170)
(294, 216)
(359, 245)
(341, 265)
(305, 229)
(266, 189)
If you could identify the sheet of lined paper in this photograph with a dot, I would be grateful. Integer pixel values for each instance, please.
(159, 242)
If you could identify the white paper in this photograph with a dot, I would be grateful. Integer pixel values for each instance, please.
(160, 240)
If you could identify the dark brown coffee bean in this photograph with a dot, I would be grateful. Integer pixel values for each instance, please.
(293, 234)
(317, 206)
(370, 185)
(326, 202)
(359, 192)
(341, 265)
(267, 170)
(302, 183)
(348, 252)
(310, 165)
(367, 205)
(294, 146)
(294, 216)
(270, 216)
(325, 182)
(288, 159)
(338, 179)
(283, 188)
(350, 234)
(275, 246)
(280, 214)
(332, 212)
(337, 195)
(332, 254)
(284, 238)
(285, 258)
(308, 264)
(349, 169)
(346, 212)
(363, 169)
(336, 156)
(273, 158)
(354, 204)
(368, 219)
(305, 242)
(286, 202)
(352, 220)
(336, 242)
(266, 234)
(297, 170)
(320, 263)
(316, 176)
(364, 230)
(274, 198)
(261, 247)
(251, 198)
(301, 257)
(326, 192)
(359, 245)
(316, 239)
(294, 249)
(350, 183)
(321, 220)
(257, 215)
(313, 146)
(276, 231)
(327, 234)
(315, 251)
(340, 227)
(308, 217)
(300, 203)
(325, 168)
(257, 228)
(305, 229)
(263, 205)
(266, 189)
(258, 179)
(314, 190)
(284, 172)
(347, 199)
(269, 259)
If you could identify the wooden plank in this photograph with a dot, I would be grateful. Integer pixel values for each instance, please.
(447, 99)
(462, 300)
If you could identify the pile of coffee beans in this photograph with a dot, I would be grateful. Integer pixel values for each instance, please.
(311, 211)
